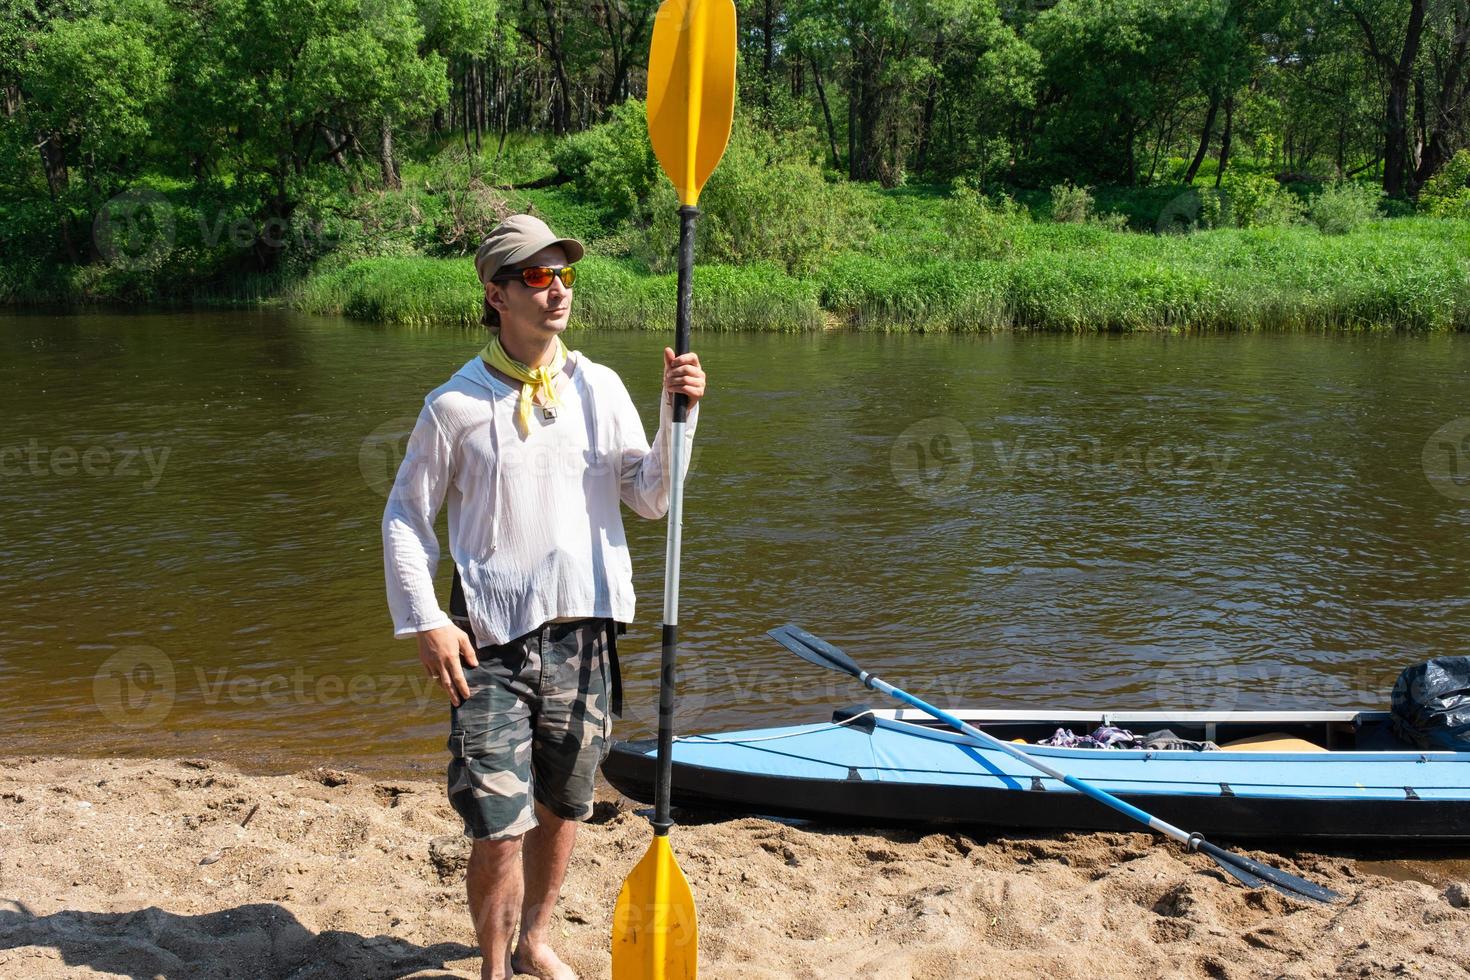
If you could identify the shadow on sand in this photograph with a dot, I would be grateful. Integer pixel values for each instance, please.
(257, 940)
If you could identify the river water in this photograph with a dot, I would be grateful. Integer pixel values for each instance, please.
(190, 561)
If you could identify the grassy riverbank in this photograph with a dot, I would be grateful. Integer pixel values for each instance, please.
(785, 246)
(1404, 273)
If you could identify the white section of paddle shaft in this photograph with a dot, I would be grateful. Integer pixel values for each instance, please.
(676, 527)
(1087, 789)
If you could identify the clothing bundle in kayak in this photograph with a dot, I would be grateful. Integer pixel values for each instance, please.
(1340, 775)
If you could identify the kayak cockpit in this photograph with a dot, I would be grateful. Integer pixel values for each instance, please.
(1244, 731)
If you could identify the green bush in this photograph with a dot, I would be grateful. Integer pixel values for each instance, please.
(564, 210)
(766, 202)
(1344, 206)
(1249, 200)
(612, 164)
(1070, 204)
(978, 226)
(1075, 205)
(1447, 193)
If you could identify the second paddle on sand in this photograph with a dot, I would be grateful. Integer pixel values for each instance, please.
(1252, 873)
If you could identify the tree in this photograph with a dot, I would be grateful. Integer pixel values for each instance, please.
(1110, 68)
(894, 60)
(1421, 55)
(86, 91)
(263, 81)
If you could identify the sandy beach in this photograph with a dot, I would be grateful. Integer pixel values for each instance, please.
(189, 868)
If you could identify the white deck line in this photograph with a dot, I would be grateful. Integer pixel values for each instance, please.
(1117, 716)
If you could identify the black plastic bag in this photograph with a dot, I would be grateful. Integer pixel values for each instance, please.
(1431, 704)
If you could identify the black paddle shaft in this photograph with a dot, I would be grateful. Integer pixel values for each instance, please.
(670, 653)
(687, 214)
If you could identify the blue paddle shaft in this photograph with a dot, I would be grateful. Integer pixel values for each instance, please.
(1086, 789)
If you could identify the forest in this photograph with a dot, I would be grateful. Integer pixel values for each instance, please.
(925, 164)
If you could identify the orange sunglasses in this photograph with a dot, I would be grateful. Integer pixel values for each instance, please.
(539, 276)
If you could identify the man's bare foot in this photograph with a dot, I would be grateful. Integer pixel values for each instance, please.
(540, 960)
(488, 973)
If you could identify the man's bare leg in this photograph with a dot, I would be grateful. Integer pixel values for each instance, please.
(495, 886)
(548, 849)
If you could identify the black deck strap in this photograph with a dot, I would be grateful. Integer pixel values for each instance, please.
(1225, 790)
(1037, 786)
(1409, 793)
(615, 697)
(858, 716)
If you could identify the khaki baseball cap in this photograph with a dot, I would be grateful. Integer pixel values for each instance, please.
(516, 239)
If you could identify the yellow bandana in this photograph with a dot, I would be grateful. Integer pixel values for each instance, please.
(533, 379)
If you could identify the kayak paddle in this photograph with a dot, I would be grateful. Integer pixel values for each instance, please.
(1252, 873)
(691, 103)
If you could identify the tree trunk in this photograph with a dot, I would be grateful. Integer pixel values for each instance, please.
(852, 97)
(769, 56)
(561, 119)
(1454, 92)
(464, 98)
(453, 101)
(1204, 139)
(1341, 147)
(926, 118)
(388, 167)
(1421, 124)
(53, 161)
(826, 113)
(868, 153)
(1225, 138)
(1396, 144)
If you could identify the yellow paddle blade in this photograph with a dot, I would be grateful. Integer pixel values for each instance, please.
(691, 90)
(655, 934)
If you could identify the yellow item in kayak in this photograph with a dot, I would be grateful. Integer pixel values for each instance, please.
(1272, 742)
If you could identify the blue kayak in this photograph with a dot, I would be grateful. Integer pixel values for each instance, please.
(1325, 775)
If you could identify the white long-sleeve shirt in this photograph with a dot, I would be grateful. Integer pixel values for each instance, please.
(534, 522)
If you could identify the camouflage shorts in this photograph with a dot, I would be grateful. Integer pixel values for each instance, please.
(536, 726)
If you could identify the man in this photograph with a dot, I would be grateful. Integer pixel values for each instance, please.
(534, 446)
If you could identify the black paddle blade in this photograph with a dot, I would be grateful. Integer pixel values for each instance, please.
(814, 650)
(1246, 869)
(1241, 875)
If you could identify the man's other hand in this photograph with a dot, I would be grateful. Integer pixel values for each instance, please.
(440, 651)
